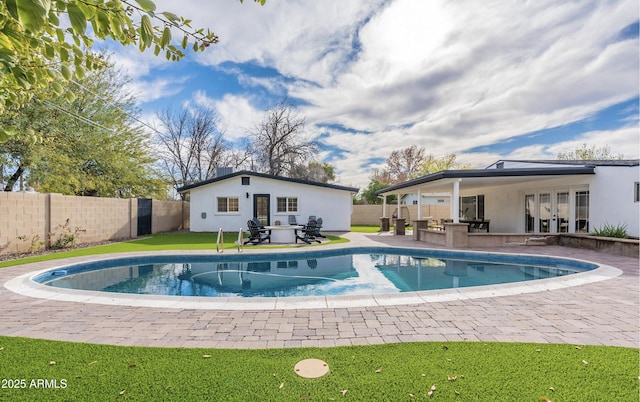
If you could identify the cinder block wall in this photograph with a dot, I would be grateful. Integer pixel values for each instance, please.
(29, 221)
(169, 215)
(22, 221)
(97, 219)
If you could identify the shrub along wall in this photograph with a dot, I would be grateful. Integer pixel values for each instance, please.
(32, 221)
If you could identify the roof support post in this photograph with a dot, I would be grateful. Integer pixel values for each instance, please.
(384, 206)
(399, 209)
(455, 202)
(419, 204)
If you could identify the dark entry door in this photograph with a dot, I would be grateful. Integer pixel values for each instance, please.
(144, 216)
(261, 208)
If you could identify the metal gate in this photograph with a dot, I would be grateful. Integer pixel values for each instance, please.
(144, 216)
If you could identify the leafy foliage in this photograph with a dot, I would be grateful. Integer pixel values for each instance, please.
(370, 196)
(64, 236)
(90, 146)
(45, 43)
(606, 230)
(434, 164)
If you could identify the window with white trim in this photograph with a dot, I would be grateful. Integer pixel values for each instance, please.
(582, 211)
(228, 204)
(286, 204)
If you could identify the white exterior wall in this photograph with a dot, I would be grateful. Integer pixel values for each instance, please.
(333, 206)
(611, 198)
(504, 205)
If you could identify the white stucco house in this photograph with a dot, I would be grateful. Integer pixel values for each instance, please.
(229, 201)
(538, 196)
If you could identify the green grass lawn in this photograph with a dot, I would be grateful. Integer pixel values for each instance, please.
(459, 371)
(365, 229)
(160, 241)
(464, 371)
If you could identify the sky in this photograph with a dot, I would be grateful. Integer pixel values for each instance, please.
(483, 80)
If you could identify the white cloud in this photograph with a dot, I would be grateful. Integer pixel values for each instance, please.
(448, 76)
(237, 115)
(148, 91)
(624, 141)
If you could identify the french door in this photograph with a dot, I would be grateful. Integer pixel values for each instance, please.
(261, 208)
(547, 211)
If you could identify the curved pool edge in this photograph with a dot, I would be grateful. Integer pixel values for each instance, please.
(24, 285)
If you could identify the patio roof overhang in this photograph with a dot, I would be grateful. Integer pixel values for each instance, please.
(451, 181)
(477, 178)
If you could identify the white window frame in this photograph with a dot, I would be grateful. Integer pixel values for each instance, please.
(227, 198)
(287, 205)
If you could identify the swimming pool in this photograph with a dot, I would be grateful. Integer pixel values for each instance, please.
(343, 272)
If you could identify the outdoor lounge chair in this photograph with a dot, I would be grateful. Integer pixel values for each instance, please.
(308, 233)
(257, 222)
(257, 236)
(318, 227)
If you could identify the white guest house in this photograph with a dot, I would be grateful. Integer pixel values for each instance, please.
(230, 200)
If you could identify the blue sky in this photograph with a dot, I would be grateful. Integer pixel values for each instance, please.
(486, 81)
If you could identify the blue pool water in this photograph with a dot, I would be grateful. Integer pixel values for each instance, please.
(330, 272)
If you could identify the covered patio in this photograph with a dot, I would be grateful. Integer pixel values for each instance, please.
(499, 206)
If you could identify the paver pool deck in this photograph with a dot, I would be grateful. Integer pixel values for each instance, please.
(606, 312)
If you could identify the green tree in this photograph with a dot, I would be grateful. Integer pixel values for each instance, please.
(46, 43)
(91, 146)
(370, 196)
(589, 153)
(434, 164)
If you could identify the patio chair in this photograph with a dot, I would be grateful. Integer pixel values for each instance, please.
(257, 222)
(308, 233)
(294, 222)
(257, 236)
(318, 227)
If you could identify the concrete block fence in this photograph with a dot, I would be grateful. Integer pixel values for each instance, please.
(31, 221)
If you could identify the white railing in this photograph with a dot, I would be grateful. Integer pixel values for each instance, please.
(240, 242)
(220, 241)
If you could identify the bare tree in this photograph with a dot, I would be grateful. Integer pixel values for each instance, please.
(192, 146)
(278, 144)
(405, 163)
(401, 165)
(315, 171)
(589, 153)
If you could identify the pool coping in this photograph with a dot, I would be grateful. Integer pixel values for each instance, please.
(24, 285)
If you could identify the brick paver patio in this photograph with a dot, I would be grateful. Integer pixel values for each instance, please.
(600, 313)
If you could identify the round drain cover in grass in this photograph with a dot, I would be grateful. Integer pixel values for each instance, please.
(311, 368)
